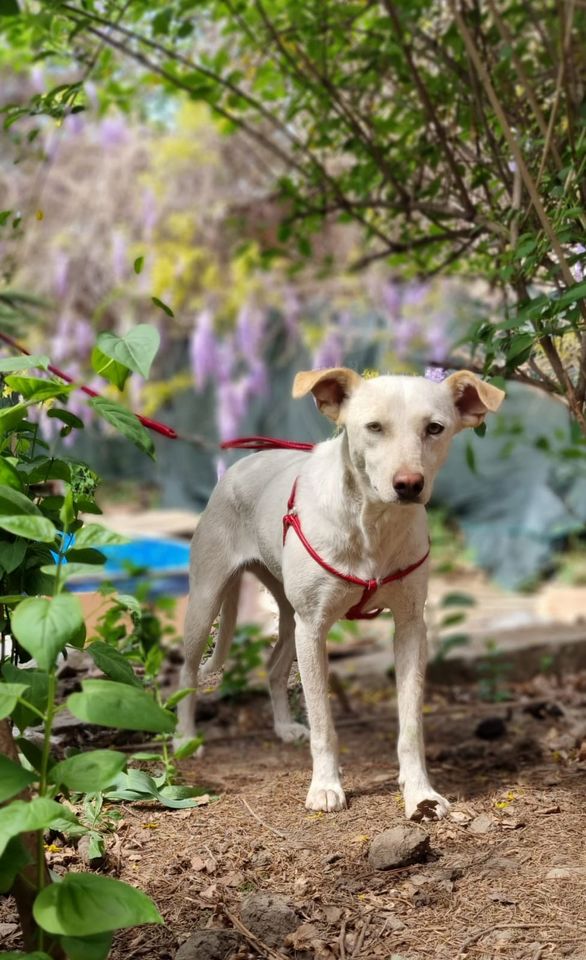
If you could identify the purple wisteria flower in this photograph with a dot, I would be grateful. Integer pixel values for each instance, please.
(204, 350)
(113, 131)
(330, 352)
(435, 374)
(250, 330)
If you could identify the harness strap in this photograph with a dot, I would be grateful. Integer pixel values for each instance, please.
(291, 519)
(265, 443)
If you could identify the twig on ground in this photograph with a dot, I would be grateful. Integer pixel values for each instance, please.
(341, 940)
(267, 826)
(360, 939)
(252, 938)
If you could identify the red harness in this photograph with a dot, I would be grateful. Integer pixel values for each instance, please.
(291, 519)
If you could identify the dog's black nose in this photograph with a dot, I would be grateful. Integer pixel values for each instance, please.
(408, 486)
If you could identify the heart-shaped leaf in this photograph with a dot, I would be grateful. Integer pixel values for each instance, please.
(83, 904)
(44, 626)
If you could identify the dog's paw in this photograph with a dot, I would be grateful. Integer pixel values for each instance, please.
(328, 798)
(290, 732)
(425, 804)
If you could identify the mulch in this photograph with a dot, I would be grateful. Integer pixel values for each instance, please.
(506, 876)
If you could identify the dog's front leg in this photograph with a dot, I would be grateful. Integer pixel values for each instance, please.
(325, 792)
(421, 800)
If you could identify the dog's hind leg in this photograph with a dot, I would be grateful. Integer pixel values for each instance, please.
(281, 661)
(209, 589)
(228, 616)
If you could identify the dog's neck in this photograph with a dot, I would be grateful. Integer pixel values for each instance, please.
(345, 498)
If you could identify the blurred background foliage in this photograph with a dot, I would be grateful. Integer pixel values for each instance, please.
(277, 186)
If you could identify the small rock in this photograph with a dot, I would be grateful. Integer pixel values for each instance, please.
(565, 873)
(269, 916)
(483, 823)
(491, 728)
(399, 847)
(209, 945)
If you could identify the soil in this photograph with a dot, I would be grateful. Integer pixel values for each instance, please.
(505, 875)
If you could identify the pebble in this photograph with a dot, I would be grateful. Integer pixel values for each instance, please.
(399, 847)
(269, 916)
(209, 945)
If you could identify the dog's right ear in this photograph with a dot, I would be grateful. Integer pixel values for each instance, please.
(329, 387)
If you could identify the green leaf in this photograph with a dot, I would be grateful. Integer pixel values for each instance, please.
(44, 626)
(86, 555)
(11, 417)
(44, 469)
(137, 785)
(84, 904)
(31, 528)
(88, 948)
(138, 264)
(125, 707)
(9, 694)
(11, 555)
(470, 458)
(25, 816)
(136, 350)
(36, 683)
(9, 475)
(178, 696)
(111, 662)
(9, 8)
(458, 600)
(37, 955)
(163, 306)
(95, 535)
(70, 570)
(88, 772)
(111, 370)
(66, 417)
(15, 503)
(33, 388)
(14, 858)
(188, 749)
(13, 778)
(125, 422)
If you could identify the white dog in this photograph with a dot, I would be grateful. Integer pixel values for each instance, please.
(340, 528)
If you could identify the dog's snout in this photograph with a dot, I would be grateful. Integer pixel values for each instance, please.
(408, 486)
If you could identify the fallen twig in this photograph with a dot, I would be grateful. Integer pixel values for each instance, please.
(252, 938)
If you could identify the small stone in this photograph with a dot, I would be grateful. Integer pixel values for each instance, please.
(269, 916)
(483, 823)
(209, 945)
(565, 873)
(491, 728)
(399, 847)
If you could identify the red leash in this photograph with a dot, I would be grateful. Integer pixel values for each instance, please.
(265, 443)
(161, 428)
(291, 519)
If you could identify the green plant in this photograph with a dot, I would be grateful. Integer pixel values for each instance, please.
(452, 612)
(246, 656)
(43, 543)
(493, 670)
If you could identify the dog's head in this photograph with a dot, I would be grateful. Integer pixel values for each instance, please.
(399, 428)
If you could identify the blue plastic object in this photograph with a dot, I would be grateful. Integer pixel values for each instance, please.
(164, 562)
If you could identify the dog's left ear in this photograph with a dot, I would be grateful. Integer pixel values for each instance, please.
(330, 388)
(473, 398)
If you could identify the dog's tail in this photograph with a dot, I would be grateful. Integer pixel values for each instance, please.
(228, 615)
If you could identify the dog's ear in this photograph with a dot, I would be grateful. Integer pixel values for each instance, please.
(473, 398)
(329, 387)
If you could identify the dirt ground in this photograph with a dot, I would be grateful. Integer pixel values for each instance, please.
(507, 872)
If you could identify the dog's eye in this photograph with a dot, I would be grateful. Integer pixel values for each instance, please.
(435, 428)
(374, 427)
